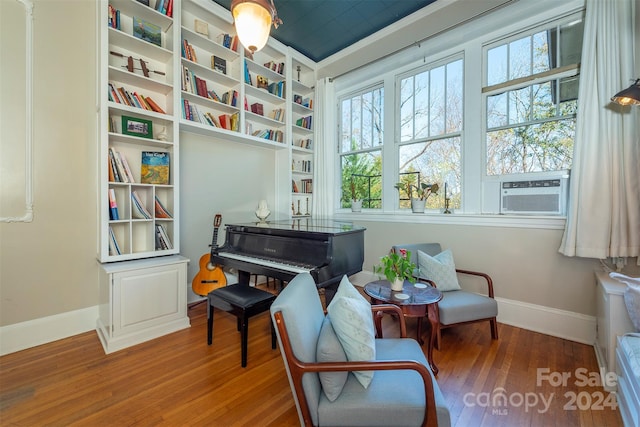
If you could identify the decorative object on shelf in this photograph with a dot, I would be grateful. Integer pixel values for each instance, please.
(162, 135)
(137, 127)
(308, 212)
(253, 19)
(154, 167)
(143, 64)
(298, 212)
(423, 191)
(263, 211)
(201, 27)
(446, 201)
(628, 96)
(298, 69)
(396, 267)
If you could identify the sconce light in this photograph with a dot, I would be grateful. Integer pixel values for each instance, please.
(629, 96)
(253, 19)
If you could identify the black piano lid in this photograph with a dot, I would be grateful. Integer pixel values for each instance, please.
(320, 226)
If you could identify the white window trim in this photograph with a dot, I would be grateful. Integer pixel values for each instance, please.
(514, 19)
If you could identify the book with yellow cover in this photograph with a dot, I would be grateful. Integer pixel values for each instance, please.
(154, 168)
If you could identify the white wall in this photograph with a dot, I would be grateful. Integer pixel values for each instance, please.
(222, 177)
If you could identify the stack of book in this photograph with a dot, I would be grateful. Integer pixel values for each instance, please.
(162, 239)
(138, 209)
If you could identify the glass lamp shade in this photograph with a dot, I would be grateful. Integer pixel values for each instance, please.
(629, 96)
(253, 20)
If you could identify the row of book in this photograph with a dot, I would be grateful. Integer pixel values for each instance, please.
(118, 168)
(274, 88)
(277, 67)
(229, 41)
(305, 186)
(303, 143)
(114, 248)
(133, 99)
(163, 6)
(304, 122)
(305, 102)
(193, 84)
(138, 208)
(224, 121)
(188, 52)
(114, 18)
(270, 134)
(301, 165)
(162, 239)
(278, 114)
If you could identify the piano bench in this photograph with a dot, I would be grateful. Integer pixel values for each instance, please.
(243, 301)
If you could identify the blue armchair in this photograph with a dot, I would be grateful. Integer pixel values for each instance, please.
(403, 391)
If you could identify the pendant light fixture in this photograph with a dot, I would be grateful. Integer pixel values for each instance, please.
(629, 96)
(253, 19)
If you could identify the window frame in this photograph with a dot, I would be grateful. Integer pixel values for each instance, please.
(510, 21)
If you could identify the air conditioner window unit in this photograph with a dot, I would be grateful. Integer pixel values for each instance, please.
(541, 197)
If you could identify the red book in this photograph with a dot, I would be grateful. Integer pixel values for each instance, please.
(224, 121)
(155, 107)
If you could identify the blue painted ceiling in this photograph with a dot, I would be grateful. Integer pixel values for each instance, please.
(319, 29)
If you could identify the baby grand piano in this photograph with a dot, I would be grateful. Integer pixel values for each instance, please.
(282, 249)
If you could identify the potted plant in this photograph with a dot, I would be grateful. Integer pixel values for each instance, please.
(356, 203)
(422, 193)
(396, 268)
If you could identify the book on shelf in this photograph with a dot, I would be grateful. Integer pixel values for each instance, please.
(294, 186)
(154, 167)
(257, 108)
(114, 167)
(147, 31)
(201, 27)
(219, 64)
(114, 248)
(160, 210)
(138, 209)
(113, 205)
(247, 75)
(162, 239)
(154, 106)
(114, 18)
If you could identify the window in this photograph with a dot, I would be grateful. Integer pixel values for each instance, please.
(361, 136)
(531, 98)
(430, 116)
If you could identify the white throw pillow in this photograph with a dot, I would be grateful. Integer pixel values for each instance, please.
(440, 268)
(352, 322)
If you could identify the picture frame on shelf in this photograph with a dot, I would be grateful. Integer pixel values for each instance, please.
(147, 31)
(137, 127)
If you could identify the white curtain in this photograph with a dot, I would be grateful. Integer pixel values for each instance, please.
(604, 207)
(324, 148)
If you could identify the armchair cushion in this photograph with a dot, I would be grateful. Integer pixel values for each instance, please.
(463, 306)
(352, 321)
(330, 350)
(439, 268)
(396, 394)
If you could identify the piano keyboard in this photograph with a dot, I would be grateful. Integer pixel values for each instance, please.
(268, 263)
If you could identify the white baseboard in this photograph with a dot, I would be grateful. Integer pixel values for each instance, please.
(551, 321)
(20, 336)
(546, 320)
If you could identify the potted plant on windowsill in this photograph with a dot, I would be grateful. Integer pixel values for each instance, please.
(396, 268)
(356, 203)
(422, 193)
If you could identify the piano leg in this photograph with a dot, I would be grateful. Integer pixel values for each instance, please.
(244, 277)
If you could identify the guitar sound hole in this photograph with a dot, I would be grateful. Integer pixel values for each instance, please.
(211, 267)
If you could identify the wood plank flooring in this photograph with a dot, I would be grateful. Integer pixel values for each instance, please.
(178, 380)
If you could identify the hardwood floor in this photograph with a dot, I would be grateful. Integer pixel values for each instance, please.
(179, 380)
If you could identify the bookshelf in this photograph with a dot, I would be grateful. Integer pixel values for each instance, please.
(138, 113)
(202, 81)
(138, 75)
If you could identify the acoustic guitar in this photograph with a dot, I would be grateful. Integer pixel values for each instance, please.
(210, 276)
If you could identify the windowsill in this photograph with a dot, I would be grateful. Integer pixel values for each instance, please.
(485, 220)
